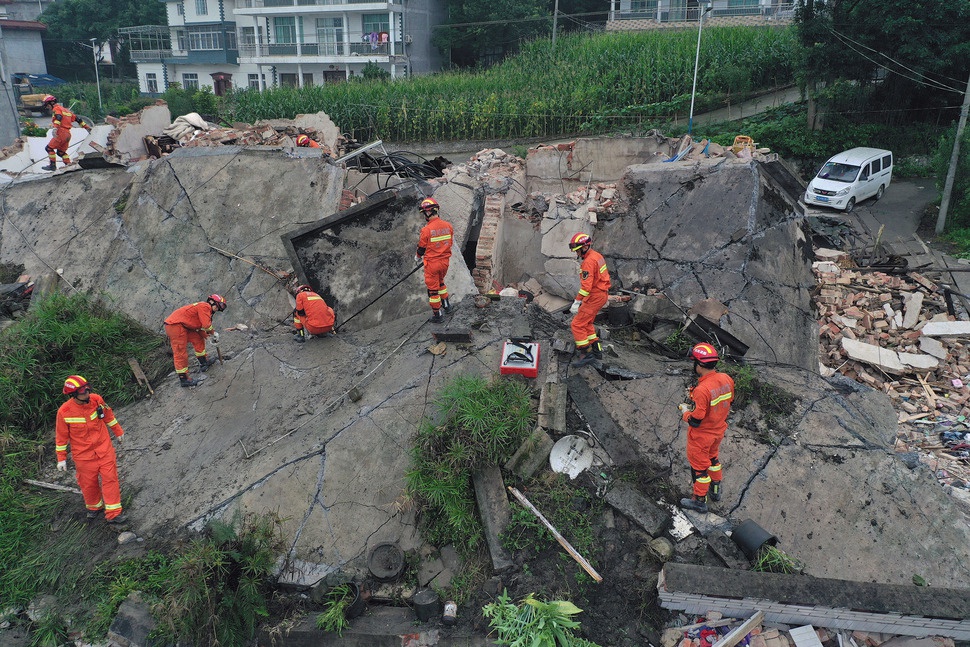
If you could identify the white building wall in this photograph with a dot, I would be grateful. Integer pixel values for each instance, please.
(144, 69)
(24, 51)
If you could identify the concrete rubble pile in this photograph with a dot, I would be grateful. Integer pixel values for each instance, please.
(713, 629)
(243, 134)
(894, 333)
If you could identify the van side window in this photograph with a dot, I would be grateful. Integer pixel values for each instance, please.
(875, 166)
(887, 161)
(865, 173)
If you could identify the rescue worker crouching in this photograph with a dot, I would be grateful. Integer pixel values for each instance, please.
(82, 423)
(312, 315)
(434, 250)
(61, 119)
(707, 423)
(304, 141)
(192, 324)
(594, 286)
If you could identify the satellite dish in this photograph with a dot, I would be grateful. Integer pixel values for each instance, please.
(571, 455)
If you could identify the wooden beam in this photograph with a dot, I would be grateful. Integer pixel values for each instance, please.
(738, 633)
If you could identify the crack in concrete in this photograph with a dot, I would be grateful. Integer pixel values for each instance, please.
(185, 192)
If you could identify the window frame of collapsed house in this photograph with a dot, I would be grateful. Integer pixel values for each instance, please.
(190, 81)
(151, 82)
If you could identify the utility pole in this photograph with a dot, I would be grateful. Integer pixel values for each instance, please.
(555, 21)
(97, 76)
(954, 159)
(697, 60)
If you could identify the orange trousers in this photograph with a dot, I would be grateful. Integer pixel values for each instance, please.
(59, 143)
(310, 328)
(584, 333)
(105, 494)
(181, 337)
(434, 278)
(702, 450)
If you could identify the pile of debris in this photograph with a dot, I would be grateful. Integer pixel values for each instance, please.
(727, 632)
(897, 333)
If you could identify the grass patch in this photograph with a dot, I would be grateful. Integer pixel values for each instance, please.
(534, 622)
(477, 424)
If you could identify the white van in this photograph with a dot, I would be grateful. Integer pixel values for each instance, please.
(850, 177)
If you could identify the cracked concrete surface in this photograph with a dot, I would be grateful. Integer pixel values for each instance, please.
(274, 429)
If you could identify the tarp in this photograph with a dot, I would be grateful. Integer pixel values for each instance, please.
(39, 80)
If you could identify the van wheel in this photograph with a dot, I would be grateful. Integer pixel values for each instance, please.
(880, 192)
(850, 205)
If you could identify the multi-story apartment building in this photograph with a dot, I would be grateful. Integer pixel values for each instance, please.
(261, 43)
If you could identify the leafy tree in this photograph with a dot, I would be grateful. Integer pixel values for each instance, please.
(895, 53)
(72, 22)
(496, 28)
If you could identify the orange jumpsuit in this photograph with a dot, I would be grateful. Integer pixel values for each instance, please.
(707, 423)
(593, 291)
(62, 120)
(434, 246)
(313, 313)
(80, 426)
(189, 324)
(312, 144)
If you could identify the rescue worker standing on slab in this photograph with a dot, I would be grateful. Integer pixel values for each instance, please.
(312, 315)
(82, 423)
(594, 286)
(61, 119)
(192, 324)
(434, 249)
(707, 422)
(304, 141)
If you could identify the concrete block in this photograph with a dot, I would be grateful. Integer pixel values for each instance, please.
(531, 454)
(552, 405)
(932, 347)
(918, 361)
(912, 305)
(132, 624)
(946, 329)
(883, 358)
(493, 506)
(643, 512)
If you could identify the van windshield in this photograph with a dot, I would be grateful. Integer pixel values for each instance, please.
(839, 172)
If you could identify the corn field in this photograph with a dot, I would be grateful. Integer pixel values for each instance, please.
(608, 82)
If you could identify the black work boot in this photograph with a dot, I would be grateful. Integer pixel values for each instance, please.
(694, 503)
(120, 519)
(436, 317)
(446, 304)
(715, 492)
(597, 350)
(50, 167)
(300, 336)
(204, 363)
(185, 380)
(583, 359)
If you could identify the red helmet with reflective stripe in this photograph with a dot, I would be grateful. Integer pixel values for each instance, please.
(50, 98)
(303, 140)
(578, 241)
(429, 206)
(73, 384)
(217, 301)
(304, 288)
(704, 353)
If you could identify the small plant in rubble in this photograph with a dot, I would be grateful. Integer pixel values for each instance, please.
(772, 559)
(533, 622)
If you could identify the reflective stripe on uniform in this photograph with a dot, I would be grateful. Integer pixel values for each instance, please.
(602, 268)
(438, 239)
(113, 422)
(583, 293)
(721, 398)
(75, 421)
(60, 448)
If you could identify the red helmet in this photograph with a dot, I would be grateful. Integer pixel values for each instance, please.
(429, 206)
(303, 140)
(50, 98)
(579, 241)
(304, 288)
(217, 301)
(74, 384)
(704, 353)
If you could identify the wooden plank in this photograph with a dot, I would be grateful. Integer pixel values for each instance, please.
(52, 486)
(930, 394)
(139, 374)
(738, 633)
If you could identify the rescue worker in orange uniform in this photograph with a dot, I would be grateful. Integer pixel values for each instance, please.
(192, 324)
(83, 422)
(62, 119)
(312, 315)
(707, 422)
(594, 286)
(304, 141)
(434, 249)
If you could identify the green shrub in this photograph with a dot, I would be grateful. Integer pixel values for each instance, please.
(533, 622)
(336, 602)
(478, 424)
(217, 593)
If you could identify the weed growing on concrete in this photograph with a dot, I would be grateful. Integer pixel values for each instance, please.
(534, 622)
(479, 424)
(336, 602)
(775, 402)
(772, 559)
(679, 342)
(219, 585)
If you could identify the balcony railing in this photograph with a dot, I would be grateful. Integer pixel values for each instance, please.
(319, 49)
(261, 4)
(650, 11)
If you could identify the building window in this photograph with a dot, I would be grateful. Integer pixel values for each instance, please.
(249, 37)
(374, 23)
(330, 35)
(151, 82)
(182, 38)
(205, 38)
(287, 80)
(308, 79)
(253, 81)
(180, 8)
(190, 81)
(285, 29)
(202, 7)
(230, 39)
